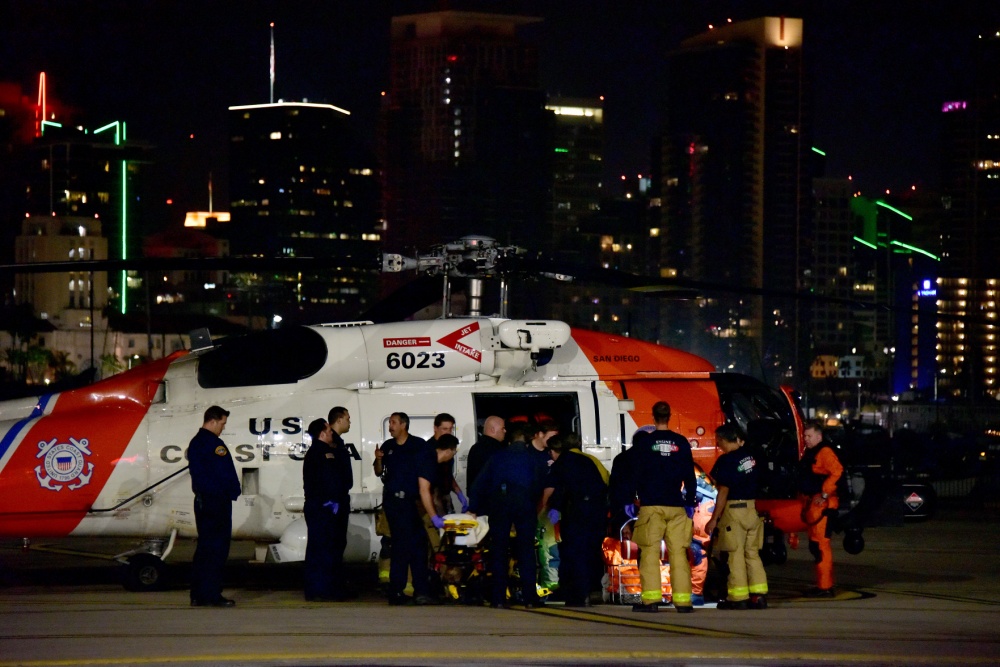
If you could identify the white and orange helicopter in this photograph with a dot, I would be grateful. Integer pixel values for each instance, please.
(109, 459)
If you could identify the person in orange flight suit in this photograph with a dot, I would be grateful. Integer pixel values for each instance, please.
(819, 472)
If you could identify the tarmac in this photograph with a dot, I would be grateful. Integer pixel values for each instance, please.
(923, 593)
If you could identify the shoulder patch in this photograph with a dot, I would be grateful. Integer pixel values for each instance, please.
(330, 455)
(221, 450)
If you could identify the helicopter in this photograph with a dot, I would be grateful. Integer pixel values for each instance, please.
(109, 460)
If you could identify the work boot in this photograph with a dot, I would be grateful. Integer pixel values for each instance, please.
(819, 593)
(645, 608)
(758, 602)
(737, 605)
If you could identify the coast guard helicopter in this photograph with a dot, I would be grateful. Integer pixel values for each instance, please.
(109, 459)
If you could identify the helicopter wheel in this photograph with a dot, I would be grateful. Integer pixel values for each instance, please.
(145, 572)
(854, 542)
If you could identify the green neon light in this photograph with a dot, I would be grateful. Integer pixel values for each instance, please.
(816, 150)
(881, 203)
(117, 125)
(49, 122)
(124, 228)
(865, 243)
(914, 248)
(562, 150)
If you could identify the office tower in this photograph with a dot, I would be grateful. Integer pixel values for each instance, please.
(465, 140)
(577, 165)
(967, 349)
(91, 172)
(833, 272)
(302, 185)
(736, 204)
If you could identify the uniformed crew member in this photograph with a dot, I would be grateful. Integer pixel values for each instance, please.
(819, 472)
(664, 481)
(741, 530)
(621, 489)
(327, 477)
(548, 546)
(433, 473)
(578, 502)
(444, 424)
(494, 432)
(216, 485)
(509, 491)
(396, 464)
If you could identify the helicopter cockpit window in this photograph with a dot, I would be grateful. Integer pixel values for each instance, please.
(278, 356)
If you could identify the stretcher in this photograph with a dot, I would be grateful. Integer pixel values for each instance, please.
(622, 583)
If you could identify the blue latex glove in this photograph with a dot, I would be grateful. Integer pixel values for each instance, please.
(465, 501)
(437, 521)
(334, 507)
(690, 511)
(631, 511)
(554, 516)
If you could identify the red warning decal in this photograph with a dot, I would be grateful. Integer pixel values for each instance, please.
(452, 341)
(420, 341)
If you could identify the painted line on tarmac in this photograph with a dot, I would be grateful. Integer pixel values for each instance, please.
(533, 656)
(938, 596)
(595, 617)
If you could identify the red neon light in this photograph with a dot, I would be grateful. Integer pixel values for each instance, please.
(40, 110)
(452, 58)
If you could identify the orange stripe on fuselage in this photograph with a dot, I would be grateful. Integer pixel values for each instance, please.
(644, 369)
(102, 418)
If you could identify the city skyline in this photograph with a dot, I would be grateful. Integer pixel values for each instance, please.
(171, 72)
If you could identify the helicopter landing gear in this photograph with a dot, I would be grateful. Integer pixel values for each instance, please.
(144, 568)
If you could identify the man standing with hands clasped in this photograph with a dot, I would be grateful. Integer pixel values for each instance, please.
(327, 478)
(215, 485)
(660, 466)
(819, 472)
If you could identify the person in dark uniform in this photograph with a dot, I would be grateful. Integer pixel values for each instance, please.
(444, 482)
(741, 530)
(327, 477)
(578, 503)
(819, 472)
(216, 485)
(396, 463)
(494, 432)
(509, 491)
(621, 488)
(663, 477)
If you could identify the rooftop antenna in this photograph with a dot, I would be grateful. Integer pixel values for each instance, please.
(272, 62)
(209, 192)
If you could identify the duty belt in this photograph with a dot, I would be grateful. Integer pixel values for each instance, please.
(738, 505)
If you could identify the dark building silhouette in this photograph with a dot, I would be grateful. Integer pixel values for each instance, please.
(302, 185)
(970, 279)
(735, 195)
(71, 171)
(465, 139)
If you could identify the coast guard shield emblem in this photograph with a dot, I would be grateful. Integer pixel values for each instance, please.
(64, 464)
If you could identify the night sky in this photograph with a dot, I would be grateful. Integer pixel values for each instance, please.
(170, 69)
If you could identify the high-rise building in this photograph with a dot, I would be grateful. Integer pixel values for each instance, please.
(577, 165)
(96, 173)
(967, 289)
(66, 299)
(465, 139)
(833, 272)
(735, 195)
(303, 185)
